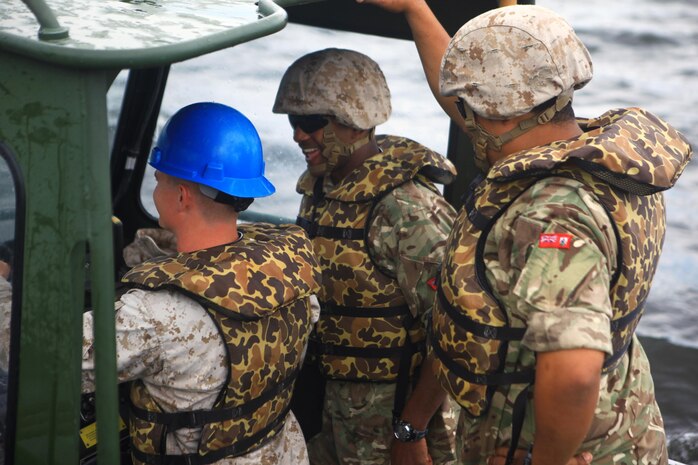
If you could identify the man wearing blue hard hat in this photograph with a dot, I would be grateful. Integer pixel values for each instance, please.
(217, 329)
(212, 335)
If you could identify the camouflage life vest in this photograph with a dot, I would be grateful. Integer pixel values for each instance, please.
(257, 291)
(366, 331)
(624, 158)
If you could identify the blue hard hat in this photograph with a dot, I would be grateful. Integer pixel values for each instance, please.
(213, 145)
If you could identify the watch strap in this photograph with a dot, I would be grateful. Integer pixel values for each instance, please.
(405, 432)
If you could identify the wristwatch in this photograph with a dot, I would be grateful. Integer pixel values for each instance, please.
(405, 432)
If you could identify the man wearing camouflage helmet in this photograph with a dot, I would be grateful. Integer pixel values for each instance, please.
(378, 225)
(550, 261)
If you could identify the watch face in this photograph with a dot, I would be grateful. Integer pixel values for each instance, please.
(403, 431)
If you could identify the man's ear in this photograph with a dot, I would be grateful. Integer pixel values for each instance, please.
(184, 196)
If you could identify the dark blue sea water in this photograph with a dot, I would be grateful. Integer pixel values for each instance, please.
(645, 54)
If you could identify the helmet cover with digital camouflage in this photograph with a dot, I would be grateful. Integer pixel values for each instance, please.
(507, 61)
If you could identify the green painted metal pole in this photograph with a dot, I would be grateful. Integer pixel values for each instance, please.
(40, 119)
(57, 128)
(49, 28)
(102, 268)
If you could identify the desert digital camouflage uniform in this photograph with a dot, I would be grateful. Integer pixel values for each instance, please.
(408, 228)
(256, 290)
(573, 296)
(171, 344)
(155, 328)
(149, 243)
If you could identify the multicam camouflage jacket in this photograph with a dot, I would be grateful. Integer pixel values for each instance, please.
(257, 291)
(623, 161)
(365, 326)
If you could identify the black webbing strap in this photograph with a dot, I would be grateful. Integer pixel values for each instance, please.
(403, 374)
(333, 232)
(610, 361)
(305, 224)
(621, 323)
(499, 333)
(619, 180)
(484, 379)
(478, 220)
(617, 326)
(331, 309)
(320, 348)
(236, 449)
(198, 418)
(318, 191)
(517, 419)
(329, 232)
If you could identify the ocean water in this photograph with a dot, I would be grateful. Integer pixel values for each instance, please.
(645, 54)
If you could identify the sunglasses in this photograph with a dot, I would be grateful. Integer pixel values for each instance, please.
(308, 123)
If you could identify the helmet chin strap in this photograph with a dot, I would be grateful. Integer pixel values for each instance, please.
(482, 140)
(336, 152)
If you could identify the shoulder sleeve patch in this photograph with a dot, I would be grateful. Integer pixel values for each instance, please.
(554, 241)
(432, 283)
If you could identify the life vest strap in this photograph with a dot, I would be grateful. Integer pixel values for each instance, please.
(330, 232)
(319, 348)
(619, 180)
(199, 418)
(402, 382)
(478, 220)
(621, 323)
(331, 309)
(611, 361)
(518, 414)
(483, 379)
(236, 449)
(499, 333)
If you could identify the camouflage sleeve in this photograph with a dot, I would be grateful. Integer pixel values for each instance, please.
(560, 291)
(137, 341)
(158, 334)
(407, 238)
(149, 243)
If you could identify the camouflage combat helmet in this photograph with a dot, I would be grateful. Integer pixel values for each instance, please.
(507, 61)
(341, 83)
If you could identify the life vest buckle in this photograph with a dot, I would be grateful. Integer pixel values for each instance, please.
(236, 412)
